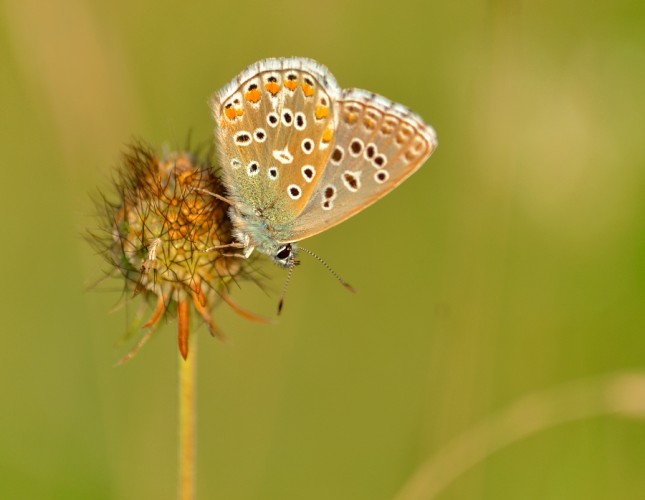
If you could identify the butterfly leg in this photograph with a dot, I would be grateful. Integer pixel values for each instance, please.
(244, 255)
(248, 250)
(235, 244)
(215, 195)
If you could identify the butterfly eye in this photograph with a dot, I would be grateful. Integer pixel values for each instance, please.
(284, 253)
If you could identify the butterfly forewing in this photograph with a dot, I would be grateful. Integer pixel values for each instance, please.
(276, 130)
(378, 144)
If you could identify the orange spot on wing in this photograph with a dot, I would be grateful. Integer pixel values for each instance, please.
(321, 112)
(239, 111)
(351, 118)
(272, 87)
(253, 95)
(291, 84)
(230, 113)
(328, 134)
(308, 90)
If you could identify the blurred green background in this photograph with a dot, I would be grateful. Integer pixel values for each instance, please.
(513, 263)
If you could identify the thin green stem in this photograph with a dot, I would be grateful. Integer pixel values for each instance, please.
(187, 423)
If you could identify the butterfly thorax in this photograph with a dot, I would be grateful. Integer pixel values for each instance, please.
(256, 229)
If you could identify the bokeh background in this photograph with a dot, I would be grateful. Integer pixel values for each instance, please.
(501, 304)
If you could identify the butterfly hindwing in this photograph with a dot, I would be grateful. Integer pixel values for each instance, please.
(378, 144)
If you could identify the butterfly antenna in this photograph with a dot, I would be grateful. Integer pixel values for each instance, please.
(292, 264)
(328, 267)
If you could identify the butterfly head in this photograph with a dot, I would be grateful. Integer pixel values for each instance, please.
(285, 255)
(254, 232)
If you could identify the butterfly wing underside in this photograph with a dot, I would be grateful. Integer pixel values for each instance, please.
(378, 145)
(275, 134)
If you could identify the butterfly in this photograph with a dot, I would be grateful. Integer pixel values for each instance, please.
(299, 154)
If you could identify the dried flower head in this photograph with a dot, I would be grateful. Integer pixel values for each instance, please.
(169, 234)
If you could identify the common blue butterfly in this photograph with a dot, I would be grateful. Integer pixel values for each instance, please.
(299, 154)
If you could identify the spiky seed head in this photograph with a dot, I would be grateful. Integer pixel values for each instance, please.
(167, 234)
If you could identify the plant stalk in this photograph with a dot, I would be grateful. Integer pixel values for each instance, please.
(187, 423)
